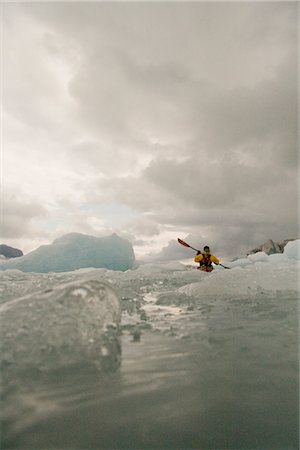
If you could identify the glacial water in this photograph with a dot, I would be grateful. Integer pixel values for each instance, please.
(196, 361)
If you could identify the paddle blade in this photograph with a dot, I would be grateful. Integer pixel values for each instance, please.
(183, 243)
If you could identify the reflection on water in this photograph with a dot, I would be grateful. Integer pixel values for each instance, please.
(215, 376)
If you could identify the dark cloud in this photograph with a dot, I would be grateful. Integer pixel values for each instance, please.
(263, 116)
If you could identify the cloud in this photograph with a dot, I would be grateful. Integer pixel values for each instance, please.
(183, 114)
(18, 215)
(143, 226)
(263, 115)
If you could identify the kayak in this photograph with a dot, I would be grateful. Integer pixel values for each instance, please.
(205, 268)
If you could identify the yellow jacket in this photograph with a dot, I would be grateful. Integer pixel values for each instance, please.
(213, 258)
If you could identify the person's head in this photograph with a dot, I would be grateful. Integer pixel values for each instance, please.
(206, 249)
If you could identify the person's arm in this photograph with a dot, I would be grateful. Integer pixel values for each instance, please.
(198, 257)
(214, 259)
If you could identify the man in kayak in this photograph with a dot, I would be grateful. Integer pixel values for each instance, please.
(205, 260)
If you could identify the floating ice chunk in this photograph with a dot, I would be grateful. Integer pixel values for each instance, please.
(241, 262)
(247, 282)
(292, 250)
(80, 292)
(59, 328)
(174, 265)
(278, 258)
(258, 257)
(152, 268)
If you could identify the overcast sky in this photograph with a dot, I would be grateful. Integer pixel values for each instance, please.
(154, 120)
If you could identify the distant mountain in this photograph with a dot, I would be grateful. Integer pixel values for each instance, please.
(270, 247)
(10, 252)
(75, 251)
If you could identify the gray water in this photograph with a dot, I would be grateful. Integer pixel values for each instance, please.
(202, 372)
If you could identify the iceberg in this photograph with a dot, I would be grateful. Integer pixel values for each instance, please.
(74, 251)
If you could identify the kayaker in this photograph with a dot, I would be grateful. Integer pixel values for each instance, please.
(205, 259)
